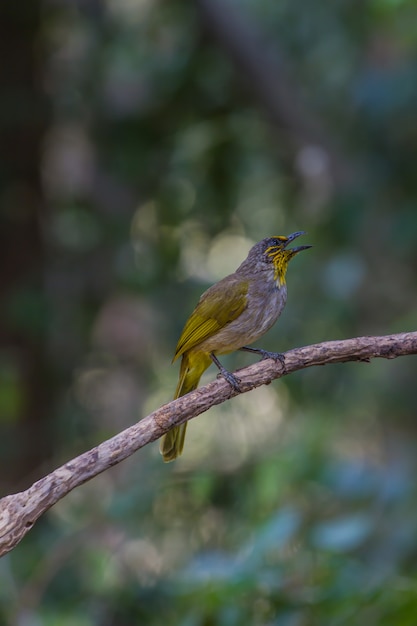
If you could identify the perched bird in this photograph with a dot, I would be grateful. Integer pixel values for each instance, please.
(232, 313)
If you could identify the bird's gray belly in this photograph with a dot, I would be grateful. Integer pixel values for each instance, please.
(260, 315)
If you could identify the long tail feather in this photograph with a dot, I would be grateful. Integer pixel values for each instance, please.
(191, 370)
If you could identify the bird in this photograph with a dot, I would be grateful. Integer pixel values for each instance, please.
(232, 313)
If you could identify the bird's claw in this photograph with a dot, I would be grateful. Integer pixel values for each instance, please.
(276, 356)
(228, 376)
(233, 380)
(266, 354)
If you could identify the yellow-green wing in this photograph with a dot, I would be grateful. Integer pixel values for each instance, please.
(219, 305)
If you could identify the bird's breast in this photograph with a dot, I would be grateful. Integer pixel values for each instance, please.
(264, 306)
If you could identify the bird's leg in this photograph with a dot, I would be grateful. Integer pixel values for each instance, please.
(231, 379)
(265, 354)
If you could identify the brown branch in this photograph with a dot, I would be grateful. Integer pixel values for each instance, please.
(19, 511)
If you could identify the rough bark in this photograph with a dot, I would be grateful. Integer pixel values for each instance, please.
(19, 511)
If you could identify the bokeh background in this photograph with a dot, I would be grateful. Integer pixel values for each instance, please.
(145, 146)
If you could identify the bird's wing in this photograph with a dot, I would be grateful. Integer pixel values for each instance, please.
(218, 306)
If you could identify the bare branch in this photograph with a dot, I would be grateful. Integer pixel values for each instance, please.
(19, 511)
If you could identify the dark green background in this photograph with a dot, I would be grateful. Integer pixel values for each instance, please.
(145, 145)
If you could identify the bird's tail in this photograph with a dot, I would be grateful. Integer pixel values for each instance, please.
(192, 368)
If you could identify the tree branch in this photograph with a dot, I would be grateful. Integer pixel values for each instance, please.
(19, 511)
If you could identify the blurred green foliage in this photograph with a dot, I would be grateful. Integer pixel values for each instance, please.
(294, 505)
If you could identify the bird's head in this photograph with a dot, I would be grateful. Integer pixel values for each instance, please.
(275, 251)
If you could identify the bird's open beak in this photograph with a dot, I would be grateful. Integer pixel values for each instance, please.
(298, 249)
(291, 238)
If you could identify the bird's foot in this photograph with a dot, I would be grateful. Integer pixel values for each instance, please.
(276, 356)
(266, 354)
(233, 380)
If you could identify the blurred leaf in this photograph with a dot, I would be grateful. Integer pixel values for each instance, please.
(342, 535)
